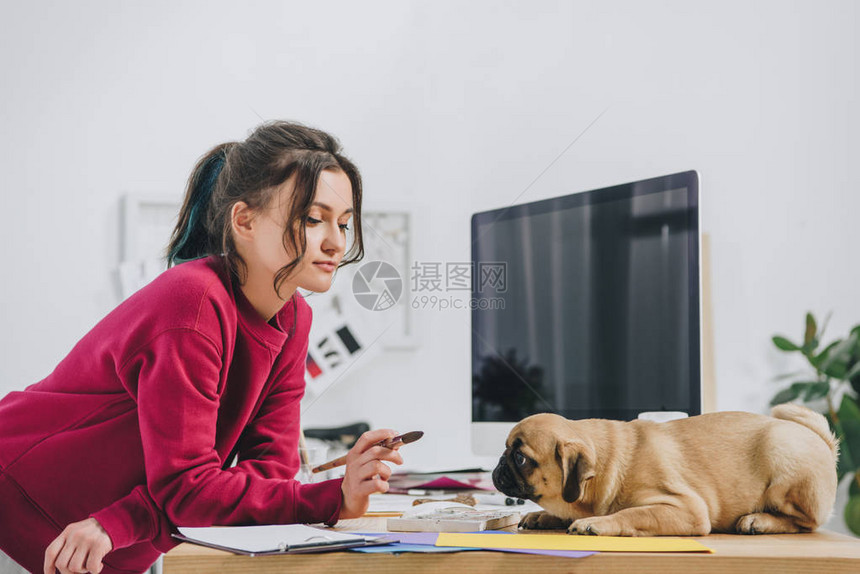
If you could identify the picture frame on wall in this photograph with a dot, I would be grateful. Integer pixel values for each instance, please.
(147, 222)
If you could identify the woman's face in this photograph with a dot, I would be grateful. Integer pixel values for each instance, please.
(326, 230)
(325, 233)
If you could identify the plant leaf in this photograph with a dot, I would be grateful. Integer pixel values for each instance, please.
(823, 327)
(852, 514)
(818, 359)
(811, 328)
(810, 341)
(807, 350)
(836, 370)
(845, 463)
(849, 420)
(816, 390)
(784, 344)
(809, 390)
(785, 395)
(839, 357)
(839, 348)
(793, 375)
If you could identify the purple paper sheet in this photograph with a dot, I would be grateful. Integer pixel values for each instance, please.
(565, 553)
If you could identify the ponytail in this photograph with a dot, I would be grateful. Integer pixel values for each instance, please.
(191, 237)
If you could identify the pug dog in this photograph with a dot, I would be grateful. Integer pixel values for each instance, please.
(720, 472)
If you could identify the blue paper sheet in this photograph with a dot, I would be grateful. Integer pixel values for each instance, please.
(426, 542)
(400, 547)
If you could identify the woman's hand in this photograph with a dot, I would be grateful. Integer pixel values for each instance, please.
(79, 548)
(365, 471)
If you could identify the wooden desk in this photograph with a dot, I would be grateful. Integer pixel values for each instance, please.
(778, 553)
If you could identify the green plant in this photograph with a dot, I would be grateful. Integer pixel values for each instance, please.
(836, 384)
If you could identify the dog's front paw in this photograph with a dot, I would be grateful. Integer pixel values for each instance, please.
(764, 523)
(747, 525)
(593, 526)
(543, 520)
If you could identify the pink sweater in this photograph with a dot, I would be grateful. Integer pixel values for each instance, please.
(138, 425)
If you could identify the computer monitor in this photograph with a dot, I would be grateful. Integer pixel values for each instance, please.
(588, 306)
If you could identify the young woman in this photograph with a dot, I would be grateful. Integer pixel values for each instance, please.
(135, 431)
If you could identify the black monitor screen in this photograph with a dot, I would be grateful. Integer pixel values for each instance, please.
(587, 305)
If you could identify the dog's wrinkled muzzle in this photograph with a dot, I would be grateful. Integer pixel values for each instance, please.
(505, 481)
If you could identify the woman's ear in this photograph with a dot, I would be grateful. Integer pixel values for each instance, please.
(241, 221)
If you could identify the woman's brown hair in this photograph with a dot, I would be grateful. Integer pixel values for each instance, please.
(252, 171)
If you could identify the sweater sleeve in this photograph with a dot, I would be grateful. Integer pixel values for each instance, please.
(136, 518)
(177, 378)
(131, 519)
(269, 444)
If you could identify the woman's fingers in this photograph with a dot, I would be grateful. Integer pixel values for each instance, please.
(79, 548)
(372, 486)
(78, 560)
(366, 473)
(380, 453)
(370, 438)
(94, 561)
(372, 478)
(64, 557)
(51, 554)
(373, 468)
(376, 485)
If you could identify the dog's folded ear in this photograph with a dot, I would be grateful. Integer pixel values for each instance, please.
(577, 466)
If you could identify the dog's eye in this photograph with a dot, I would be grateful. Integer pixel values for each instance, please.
(520, 459)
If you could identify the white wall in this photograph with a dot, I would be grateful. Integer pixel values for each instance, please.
(452, 107)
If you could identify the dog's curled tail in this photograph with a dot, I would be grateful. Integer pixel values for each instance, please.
(810, 419)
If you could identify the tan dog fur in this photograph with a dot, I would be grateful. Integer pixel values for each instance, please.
(720, 472)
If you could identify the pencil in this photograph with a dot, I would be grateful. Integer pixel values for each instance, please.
(388, 443)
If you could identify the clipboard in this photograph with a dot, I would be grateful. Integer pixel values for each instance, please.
(274, 539)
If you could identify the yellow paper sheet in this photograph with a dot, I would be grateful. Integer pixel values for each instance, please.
(571, 542)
